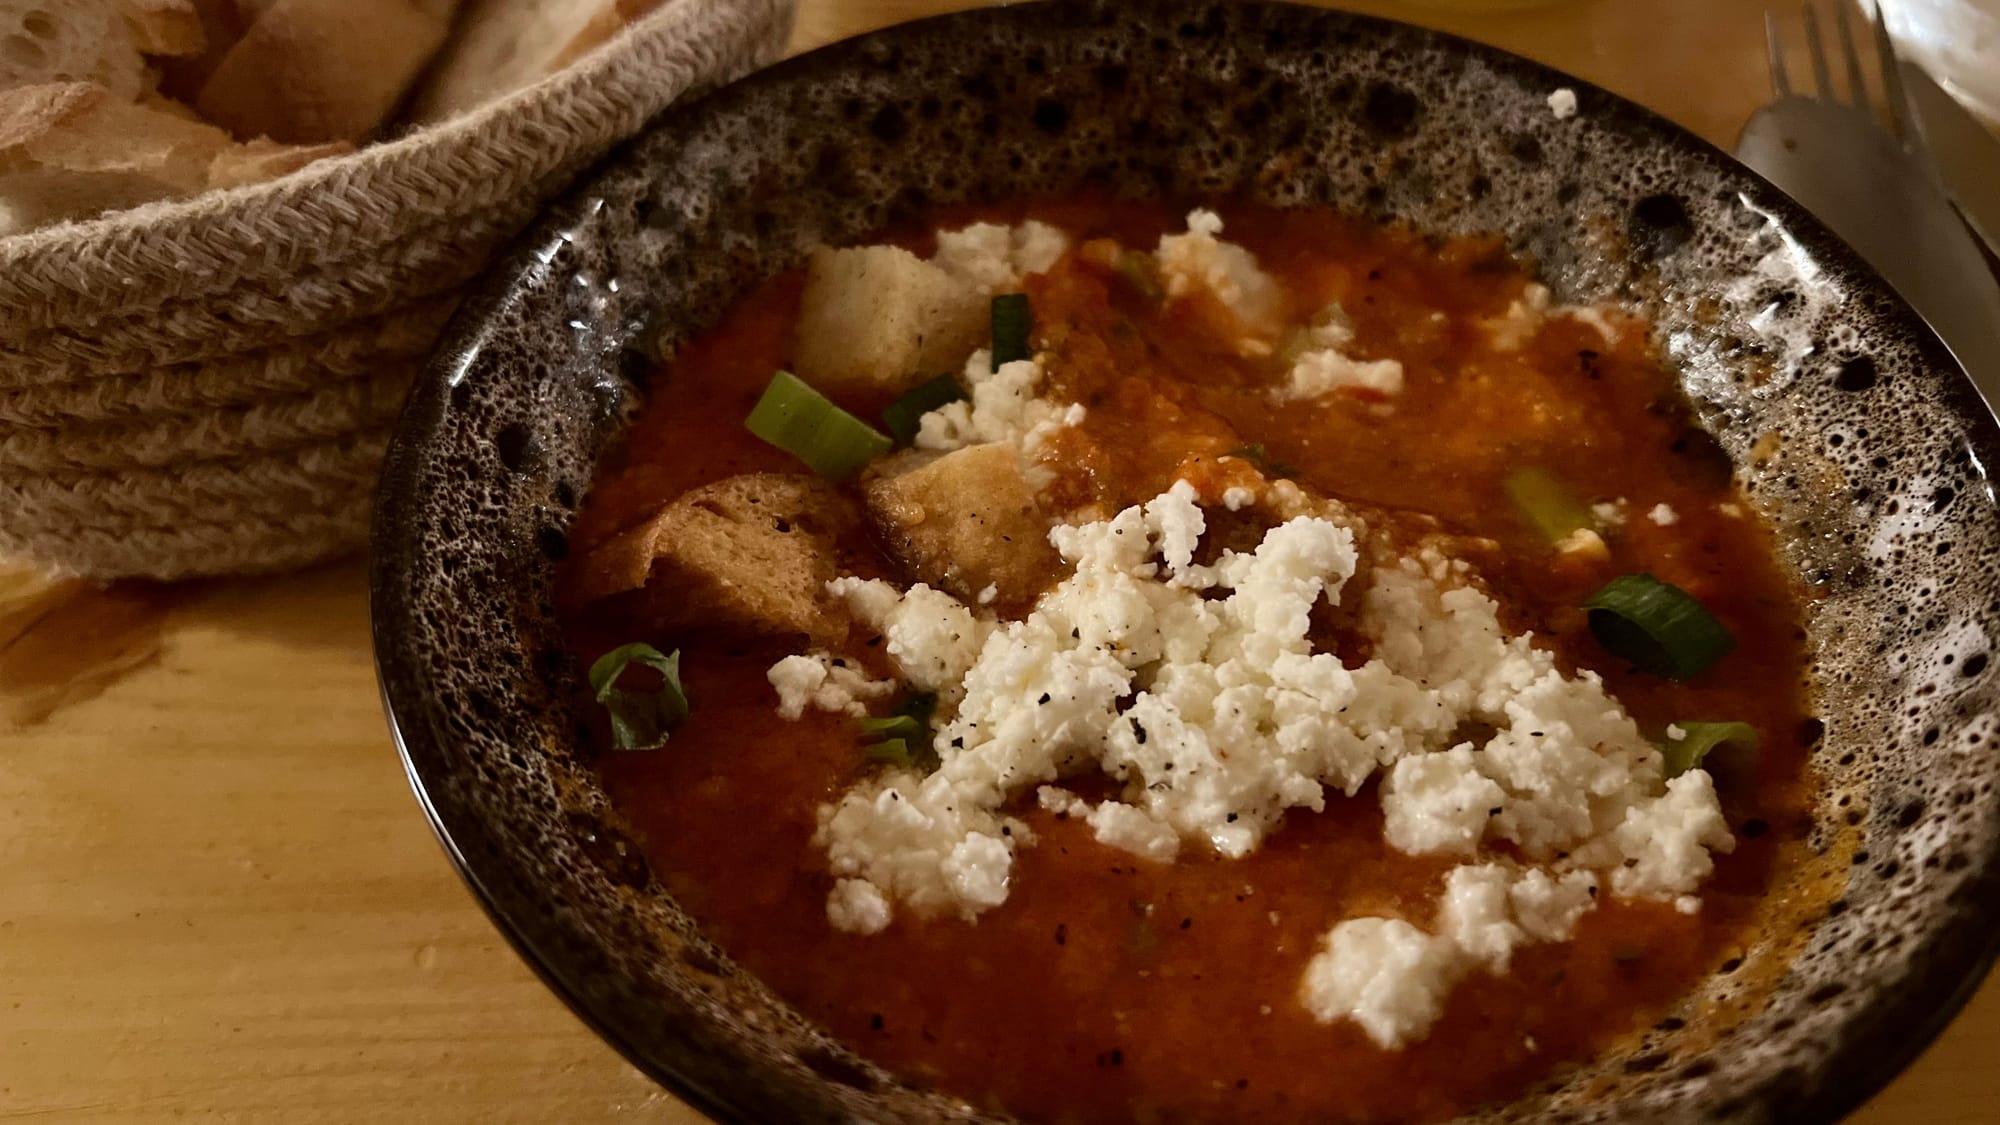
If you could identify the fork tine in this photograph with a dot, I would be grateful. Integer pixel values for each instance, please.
(1817, 48)
(1780, 85)
(1857, 85)
(1892, 82)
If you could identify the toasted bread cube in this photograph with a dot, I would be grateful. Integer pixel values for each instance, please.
(963, 522)
(880, 319)
(748, 555)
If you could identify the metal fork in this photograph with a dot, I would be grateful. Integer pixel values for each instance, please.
(1878, 188)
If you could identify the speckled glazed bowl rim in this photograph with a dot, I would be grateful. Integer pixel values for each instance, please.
(1871, 1051)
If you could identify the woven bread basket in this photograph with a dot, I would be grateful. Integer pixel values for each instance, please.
(206, 386)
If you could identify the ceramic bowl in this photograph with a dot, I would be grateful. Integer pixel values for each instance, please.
(1853, 434)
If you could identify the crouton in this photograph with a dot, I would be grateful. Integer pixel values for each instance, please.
(879, 319)
(963, 522)
(748, 555)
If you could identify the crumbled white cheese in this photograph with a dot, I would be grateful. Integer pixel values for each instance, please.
(1610, 513)
(1664, 842)
(1439, 803)
(1217, 717)
(1324, 364)
(1675, 732)
(824, 681)
(857, 906)
(1562, 103)
(1584, 543)
(1511, 330)
(1593, 316)
(1664, 515)
(988, 594)
(1321, 372)
(1200, 260)
(933, 638)
(1384, 974)
(1236, 497)
(991, 258)
(1000, 406)
(1392, 978)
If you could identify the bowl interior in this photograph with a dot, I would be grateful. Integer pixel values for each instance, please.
(1852, 432)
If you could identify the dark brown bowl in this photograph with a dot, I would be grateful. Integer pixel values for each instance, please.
(1876, 486)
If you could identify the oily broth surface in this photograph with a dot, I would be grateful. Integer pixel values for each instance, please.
(1106, 988)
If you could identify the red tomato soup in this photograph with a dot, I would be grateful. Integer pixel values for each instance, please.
(1109, 985)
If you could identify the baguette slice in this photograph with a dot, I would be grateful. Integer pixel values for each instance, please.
(163, 27)
(73, 150)
(51, 41)
(503, 45)
(311, 71)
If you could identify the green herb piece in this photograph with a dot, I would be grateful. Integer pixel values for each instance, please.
(892, 751)
(1142, 274)
(640, 719)
(807, 425)
(905, 416)
(1547, 503)
(1011, 321)
(1697, 739)
(1657, 626)
(892, 726)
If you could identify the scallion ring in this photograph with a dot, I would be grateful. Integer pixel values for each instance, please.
(807, 425)
(891, 726)
(1657, 626)
(1697, 739)
(639, 720)
(1012, 319)
(1547, 503)
(905, 416)
(891, 751)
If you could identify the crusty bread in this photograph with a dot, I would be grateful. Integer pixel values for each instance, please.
(253, 162)
(881, 319)
(501, 46)
(72, 150)
(311, 71)
(747, 555)
(963, 522)
(48, 41)
(163, 27)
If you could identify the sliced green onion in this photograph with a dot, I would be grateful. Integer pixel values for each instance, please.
(893, 751)
(1547, 503)
(892, 726)
(1659, 627)
(640, 720)
(905, 416)
(1697, 739)
(1011, 321)
(807, 425)
(1256, 455)
(1142, 274)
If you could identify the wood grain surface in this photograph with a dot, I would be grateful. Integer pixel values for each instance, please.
(219, 901)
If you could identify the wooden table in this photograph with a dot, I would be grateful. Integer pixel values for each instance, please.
(218, 899)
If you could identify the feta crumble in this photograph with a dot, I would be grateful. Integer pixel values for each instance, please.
(1663, 515)
(1196, 687)
(1562, 103)
(993, 258)
(1324, 365)
(826, 682)
(1200, 260)
(1000, 406)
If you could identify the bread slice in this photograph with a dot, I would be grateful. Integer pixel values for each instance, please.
(73, 150)
(163, 27)
(879, 319)
(253, 162)
(51, 41)
(748, 555)
(966, 523)
(311, 71)
(501, 46)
